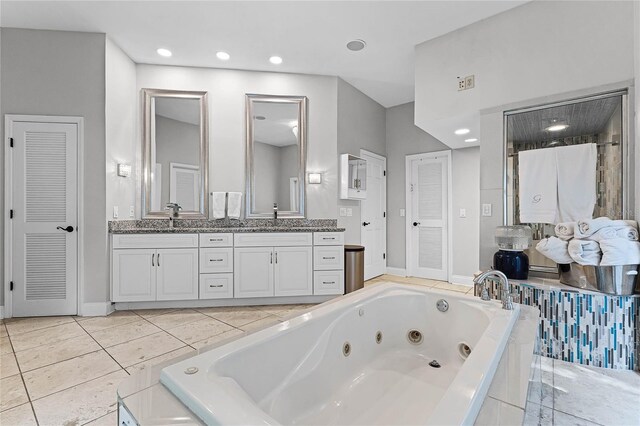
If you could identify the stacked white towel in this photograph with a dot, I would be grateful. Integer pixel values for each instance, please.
(620, 251)
(219, 204)
(235, 205)
(626, 232)
(587, 227)
(565, 230)
(585, 252)
(555, 249)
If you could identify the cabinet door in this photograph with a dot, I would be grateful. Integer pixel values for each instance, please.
(177, 276)
(134, 275)
(253, 272)
(293, 271)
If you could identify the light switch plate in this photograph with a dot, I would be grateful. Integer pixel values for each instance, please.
(402, 212)
(132, 212)
(343, 211)
(463, 212)
(349, 212)
(486, 210)
(115, 212)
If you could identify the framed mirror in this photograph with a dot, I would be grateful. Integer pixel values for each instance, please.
(175, 157)
(276, 155)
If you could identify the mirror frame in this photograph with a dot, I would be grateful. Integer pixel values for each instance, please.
(148, 95)
(301, 102)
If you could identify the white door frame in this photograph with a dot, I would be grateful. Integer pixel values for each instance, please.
(409, 208)
(9, 120)
(384, 186)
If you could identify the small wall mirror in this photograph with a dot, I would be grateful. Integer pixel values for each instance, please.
(175, 153)
(276, 155)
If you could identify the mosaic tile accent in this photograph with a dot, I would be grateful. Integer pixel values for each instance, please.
(585, 328)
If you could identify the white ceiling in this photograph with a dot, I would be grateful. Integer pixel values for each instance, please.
(277, 127)
(309, 35)
(185, 110)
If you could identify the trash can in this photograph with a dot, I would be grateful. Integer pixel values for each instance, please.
(353, 268)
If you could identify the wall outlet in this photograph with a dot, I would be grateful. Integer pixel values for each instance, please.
(343, 211)
(403, 212)
(463, 212)
(469, 82)
(486, 210)
(132, 212)
(349, 212)
(115, 212)
(461, 83)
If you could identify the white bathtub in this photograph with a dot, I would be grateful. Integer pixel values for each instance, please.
(297, 372)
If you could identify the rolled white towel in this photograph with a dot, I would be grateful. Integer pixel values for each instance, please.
(555, 249)
(565, 230)
(588, 227)
(585, 252)
(620, 251)
(625, 232)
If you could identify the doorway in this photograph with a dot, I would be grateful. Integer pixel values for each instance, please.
(373, 216)
(42, 197)
(428, 199)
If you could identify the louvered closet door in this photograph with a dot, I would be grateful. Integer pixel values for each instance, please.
(429, 218)
(44, 197)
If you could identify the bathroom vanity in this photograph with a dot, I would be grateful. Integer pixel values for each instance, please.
(246, 264)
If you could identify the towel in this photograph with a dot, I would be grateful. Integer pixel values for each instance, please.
(235, 205)
(586, 228)
(565, 230)
(219, 204)
(538, 180)
(620, 251)
(555, 249)
(585, 252)
(576, 181)
(611, 232)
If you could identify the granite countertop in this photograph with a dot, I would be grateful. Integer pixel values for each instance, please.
(190, 226)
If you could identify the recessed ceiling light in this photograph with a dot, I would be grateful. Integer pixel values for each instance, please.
(356, 45)
(461, 131)
(276, 60)
(164, 52)
(223, 56)
(556, 127)
(471, 140)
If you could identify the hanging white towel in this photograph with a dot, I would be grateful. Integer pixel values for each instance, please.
(555, 249)
(585, 252)
(620, 251)
(576, 181)
(219, 201)
(235, 205)
(538, 182)
(565, 230)
(587, 227)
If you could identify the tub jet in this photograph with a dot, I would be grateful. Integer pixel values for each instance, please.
(434, 364)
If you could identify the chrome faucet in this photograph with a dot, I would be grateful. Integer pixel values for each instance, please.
(505, 295)
(175, 209)
(275, 214)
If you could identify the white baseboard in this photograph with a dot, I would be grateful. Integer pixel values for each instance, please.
(397, 271)
(462, 280)
(97, 309)
(208, 303)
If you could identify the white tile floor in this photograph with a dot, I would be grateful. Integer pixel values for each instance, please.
(65, 370)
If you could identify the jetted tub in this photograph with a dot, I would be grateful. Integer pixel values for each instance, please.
(366, 358)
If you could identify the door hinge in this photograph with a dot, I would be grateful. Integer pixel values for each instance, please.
(384, 173)
(11, 214)
(11, 286)
(384, 214)
(384, 255)
(11, 142)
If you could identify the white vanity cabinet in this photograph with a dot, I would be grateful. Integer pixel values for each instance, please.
(154, 267)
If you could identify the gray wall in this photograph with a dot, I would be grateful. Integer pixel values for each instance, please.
(176, 142)
(361, 125)
(63, 73)
(403, 138)
(288, 169)
(266, 171)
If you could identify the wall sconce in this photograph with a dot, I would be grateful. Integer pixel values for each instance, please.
(315, 178)
(124, 170)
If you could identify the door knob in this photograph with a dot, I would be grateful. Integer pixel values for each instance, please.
(68, 228)
(416, 223)
(366, 223)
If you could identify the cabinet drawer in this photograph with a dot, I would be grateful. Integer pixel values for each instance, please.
(272, 239)
(328, 282)
(216, 240)
(156, 241)
(328, 257)
(328, 238)
(214, 260)
(216, 286)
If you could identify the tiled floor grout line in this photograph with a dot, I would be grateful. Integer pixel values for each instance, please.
(37, 329)
(105, 350)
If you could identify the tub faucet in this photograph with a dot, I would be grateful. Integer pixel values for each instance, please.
(505, 295)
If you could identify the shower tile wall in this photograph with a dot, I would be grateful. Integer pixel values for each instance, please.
(584, 328)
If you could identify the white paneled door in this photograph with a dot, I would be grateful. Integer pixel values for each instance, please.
(373, 216)
(43, 203)
(427, 215)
